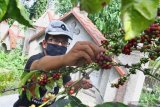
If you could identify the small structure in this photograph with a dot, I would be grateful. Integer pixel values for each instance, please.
(5, 42)
(10, 37)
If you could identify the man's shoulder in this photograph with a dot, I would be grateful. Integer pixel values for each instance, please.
(32, 59)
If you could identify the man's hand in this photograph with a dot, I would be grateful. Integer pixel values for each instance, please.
(83, 52)
(85, 84)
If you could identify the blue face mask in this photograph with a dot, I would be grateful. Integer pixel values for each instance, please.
(54, 50)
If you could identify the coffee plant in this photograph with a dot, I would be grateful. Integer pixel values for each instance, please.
(62, 6)
(148, 43)
(37, 9)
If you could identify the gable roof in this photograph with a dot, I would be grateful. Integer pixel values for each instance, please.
(90, 28)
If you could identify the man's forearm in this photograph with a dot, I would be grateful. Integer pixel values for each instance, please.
(48, 63)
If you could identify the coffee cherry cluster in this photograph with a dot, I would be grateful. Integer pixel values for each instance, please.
(121, 82)
(153, 31)
(43, 79)
(104, 61)
(71, 91)
(105, 43)
(133, 43)
(56, 76)
(150, 36)
(48, 96)
(127, 49)
(154, 53)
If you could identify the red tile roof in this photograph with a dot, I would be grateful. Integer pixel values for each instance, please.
(90, 28)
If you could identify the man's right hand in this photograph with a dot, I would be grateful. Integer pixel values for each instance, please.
(83, 52)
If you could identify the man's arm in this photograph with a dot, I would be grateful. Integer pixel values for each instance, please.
(48, 63)
(81, 53)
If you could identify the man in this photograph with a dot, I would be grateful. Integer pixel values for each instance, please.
(53, 57)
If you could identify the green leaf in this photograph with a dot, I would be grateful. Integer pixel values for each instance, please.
(93, 6)
(75, 102)
(137, 15)
(37, 93)
(111, 104)
(18, 12)
(25, 78)
(23, 75)
(3, 8)
(61, 102)
(59, 82)
(49, 85)
(155, 67)
(28, 94)
(74, 2)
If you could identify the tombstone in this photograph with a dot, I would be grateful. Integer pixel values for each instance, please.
(135, 82)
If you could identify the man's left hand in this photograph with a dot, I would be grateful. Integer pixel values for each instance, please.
(85, 84)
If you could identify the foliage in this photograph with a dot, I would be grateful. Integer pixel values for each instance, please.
(133, 13)
(137, 13)
(107, 20)
(156, 66)
(12, 60)
(14, 10)
(10, 21)
(12, 64)
(7, 79)
(151, 89)
(150, 98)
(93, 7)
(38, 8)
(63, 6)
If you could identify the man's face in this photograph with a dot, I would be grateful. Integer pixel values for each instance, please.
(58, 40)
